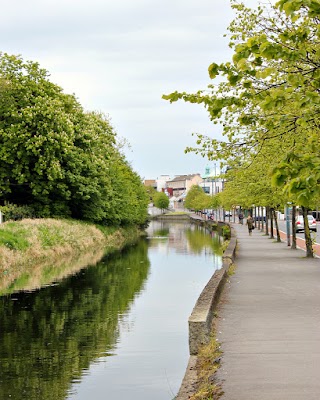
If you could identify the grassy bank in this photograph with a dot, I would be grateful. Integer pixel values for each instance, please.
(37, 251)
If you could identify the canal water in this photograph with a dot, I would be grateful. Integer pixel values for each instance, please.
(117, 330)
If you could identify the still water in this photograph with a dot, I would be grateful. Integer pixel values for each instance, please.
(116, 330)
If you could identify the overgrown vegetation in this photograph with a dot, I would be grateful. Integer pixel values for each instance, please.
(226, 232)
(232, 269)
(208, 362)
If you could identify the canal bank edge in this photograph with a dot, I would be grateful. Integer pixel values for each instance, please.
(57, 248)
(201, 318)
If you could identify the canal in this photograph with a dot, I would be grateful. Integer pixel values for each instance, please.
(116, 330)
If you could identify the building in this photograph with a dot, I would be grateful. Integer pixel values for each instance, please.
(150, 182)
(211, 183)
(162, 183)
(180, 185)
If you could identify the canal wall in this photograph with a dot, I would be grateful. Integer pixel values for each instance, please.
(202, 316)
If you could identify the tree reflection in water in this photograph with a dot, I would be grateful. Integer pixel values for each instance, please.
(50, 336)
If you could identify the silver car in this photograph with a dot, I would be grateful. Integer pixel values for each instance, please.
(300, 223)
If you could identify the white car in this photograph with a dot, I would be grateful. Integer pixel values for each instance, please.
(300, 223)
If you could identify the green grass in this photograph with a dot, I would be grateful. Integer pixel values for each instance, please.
(107, 230)
(14, 240)
(49, 236)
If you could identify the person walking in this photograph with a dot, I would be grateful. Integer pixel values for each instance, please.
(250, 224)
(240, 216)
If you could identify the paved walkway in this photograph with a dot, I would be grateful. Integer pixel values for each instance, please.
(269, 323)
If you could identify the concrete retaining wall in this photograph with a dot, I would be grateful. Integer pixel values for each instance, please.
(201, 318)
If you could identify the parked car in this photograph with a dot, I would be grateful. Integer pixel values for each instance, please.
(260, 218)
(300, 223)
(228, 214)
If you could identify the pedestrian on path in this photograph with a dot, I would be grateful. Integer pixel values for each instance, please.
(250, 224)
(240, 216)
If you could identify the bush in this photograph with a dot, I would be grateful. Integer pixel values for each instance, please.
(226, 232)
(16, 213)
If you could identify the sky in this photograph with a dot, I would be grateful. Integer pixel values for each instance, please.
(119, 57)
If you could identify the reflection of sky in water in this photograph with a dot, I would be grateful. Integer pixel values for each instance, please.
(152, 349)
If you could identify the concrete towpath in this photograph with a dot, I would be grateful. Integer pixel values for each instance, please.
(269, 323)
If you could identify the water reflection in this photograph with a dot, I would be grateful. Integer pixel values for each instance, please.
(48, 337)
(185, 238)
(116, 330)
(47, 273)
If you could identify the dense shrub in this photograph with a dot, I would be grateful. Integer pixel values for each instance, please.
(16, 213)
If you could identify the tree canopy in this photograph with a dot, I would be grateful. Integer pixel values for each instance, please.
(161, 200)
(58, 158)
(267, 101)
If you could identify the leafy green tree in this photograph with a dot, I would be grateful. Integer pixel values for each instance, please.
(300, 181)
(151, 192)
(161, 200)
(58, 158)
(267, 98)
(195, 198)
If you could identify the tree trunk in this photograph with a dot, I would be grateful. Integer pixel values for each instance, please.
(271, 224)
(259, 216)
(262, 219)
(293, 225)
(267, 221)
(307, 234)
(276, 223)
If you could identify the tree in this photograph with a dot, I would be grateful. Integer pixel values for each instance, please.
(58, 158)
(195, 198)
(269, 93)
(300, 182)
(161, 200)
(151, 192)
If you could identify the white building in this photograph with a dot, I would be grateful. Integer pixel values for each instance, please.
(211, 183)
(162, 182)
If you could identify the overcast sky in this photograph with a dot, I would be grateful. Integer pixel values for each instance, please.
(120, 56)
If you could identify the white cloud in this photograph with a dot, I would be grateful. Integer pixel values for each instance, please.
(120, 56)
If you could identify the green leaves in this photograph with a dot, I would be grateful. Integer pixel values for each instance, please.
(57, 157)
(161, 200)
(213, 70)
(299, 175)
(290, 7)
(267, 103)
(173, 97)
